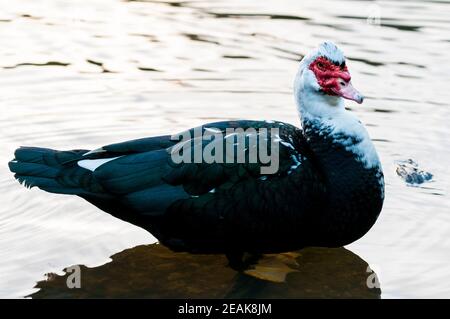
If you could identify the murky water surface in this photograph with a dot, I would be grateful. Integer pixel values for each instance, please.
(87, 73)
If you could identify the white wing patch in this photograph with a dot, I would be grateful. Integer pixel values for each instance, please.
(93, 164)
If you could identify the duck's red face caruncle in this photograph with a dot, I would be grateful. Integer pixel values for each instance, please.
(334, 79)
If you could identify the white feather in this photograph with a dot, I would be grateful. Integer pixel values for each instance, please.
(93, 164)
(329, 50)
(96, 151)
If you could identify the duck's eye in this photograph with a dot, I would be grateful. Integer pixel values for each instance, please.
(320, 65)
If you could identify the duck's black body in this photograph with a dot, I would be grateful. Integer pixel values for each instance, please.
(322, 194)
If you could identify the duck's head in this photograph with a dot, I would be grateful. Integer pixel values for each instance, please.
(323, 81)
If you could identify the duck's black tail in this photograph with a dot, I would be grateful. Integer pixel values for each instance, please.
(51, 170)
(58, 172)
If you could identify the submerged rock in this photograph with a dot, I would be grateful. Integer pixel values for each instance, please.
(410, 172)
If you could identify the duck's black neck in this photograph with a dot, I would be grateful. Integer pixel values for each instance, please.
(355, 189)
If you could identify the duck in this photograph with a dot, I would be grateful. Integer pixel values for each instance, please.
(327, 189)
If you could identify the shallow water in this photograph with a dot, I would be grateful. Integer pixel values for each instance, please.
(85, 74)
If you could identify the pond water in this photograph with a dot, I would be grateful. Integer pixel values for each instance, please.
(88, 73)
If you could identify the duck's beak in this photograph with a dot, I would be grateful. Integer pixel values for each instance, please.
(345, 89)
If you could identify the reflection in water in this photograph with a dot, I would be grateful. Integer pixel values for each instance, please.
(153, 271)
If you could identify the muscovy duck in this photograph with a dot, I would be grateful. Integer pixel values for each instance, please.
(328, 189)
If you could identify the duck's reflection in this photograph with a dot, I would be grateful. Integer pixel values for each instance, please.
(153, 271)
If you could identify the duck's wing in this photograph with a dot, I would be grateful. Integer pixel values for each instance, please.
(181, 162)
(183, 203)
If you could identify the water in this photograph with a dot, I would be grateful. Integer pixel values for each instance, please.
(88, 73)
